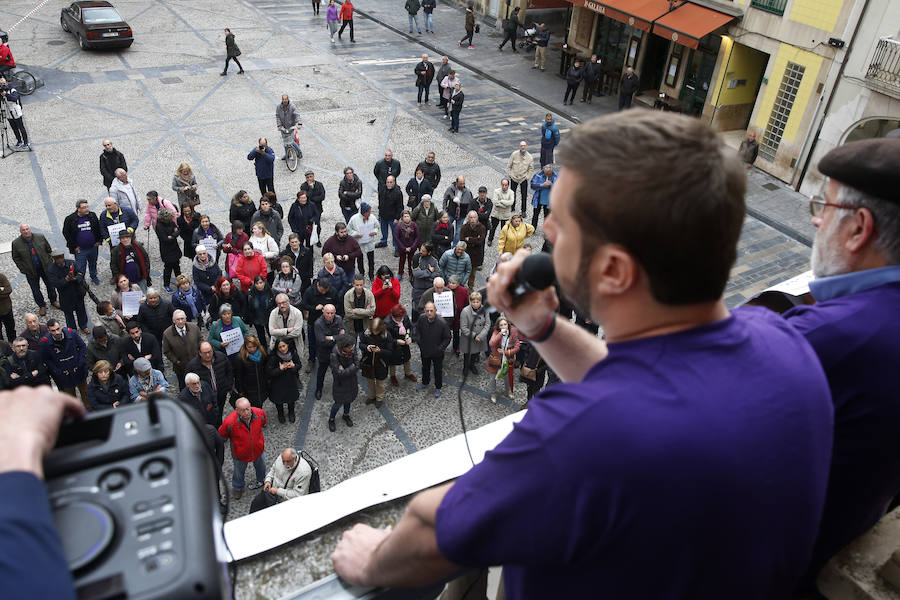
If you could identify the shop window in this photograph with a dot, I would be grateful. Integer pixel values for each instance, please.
(634, 46)
(674, 64)
(781, 110)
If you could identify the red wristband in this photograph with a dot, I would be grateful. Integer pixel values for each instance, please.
(546, 331)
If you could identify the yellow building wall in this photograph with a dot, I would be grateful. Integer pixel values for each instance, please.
(813, 63)
(743, 64)
(821, 14)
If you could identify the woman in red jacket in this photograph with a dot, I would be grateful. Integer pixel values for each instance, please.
(504, 346)
(386, 288)
(249, 265)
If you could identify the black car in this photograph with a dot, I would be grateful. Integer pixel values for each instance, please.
(96, 24)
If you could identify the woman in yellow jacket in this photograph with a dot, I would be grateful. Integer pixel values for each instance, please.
(514, 234)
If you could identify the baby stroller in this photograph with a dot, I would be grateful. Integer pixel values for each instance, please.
(526, 40)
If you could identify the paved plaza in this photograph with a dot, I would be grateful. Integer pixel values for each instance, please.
(163, 102)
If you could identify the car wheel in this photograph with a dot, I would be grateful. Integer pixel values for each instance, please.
(62, 23)
(82, 43)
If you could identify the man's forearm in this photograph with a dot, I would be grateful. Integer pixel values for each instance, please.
(572, 350)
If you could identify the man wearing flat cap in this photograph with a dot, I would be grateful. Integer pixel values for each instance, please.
(855, 330)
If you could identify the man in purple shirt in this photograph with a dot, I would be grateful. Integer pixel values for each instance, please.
(673, 444)
(854, 329)
(81, 229)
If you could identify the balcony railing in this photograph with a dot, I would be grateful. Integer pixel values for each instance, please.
(773, 6)
(885, 65)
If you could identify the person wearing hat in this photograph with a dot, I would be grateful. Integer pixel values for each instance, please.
(146, 380)
(362, 226)
(104, 347)
(130, 257)
(854, 330)
(69, 283)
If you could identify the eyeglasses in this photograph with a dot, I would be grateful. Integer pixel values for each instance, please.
(817, 205)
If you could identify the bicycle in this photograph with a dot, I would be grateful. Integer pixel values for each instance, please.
(293, 152)
(22, 80)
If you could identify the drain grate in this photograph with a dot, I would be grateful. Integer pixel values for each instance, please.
(170, 80)
(771, 186)
(56, 42)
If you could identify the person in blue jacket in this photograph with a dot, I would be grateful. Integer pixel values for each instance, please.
(549, 139)
(541, 184)
(264, 159)
(64, 354)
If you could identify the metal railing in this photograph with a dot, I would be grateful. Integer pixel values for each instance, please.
(773, 6)
(885, 65)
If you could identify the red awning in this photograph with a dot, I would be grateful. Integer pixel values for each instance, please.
(546, 4)
(637, 13)
(690, 22)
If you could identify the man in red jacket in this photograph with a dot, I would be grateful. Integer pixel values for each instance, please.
(243, 428)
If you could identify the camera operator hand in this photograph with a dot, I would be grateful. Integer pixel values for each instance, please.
(30, 424)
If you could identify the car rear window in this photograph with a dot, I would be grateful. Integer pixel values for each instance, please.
(93, 16)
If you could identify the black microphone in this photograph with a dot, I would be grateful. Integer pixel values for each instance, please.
(536, 273)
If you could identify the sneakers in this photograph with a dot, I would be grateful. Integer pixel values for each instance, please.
(437, 393)
(348, 420)
(226, 73)
(255, 485)
(332, 39)
(420, 387)
(169, 289)
(471, 47)
(96, 281)
(331, 426)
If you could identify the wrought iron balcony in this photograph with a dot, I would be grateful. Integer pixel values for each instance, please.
(773, 6)
(885, 66)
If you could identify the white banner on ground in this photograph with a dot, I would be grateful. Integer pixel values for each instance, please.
(436, 464)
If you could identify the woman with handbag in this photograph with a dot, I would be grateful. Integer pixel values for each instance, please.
(534, 371)
(504, 347)
(377, 347)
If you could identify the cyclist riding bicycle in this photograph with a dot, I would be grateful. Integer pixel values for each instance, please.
(287, 119)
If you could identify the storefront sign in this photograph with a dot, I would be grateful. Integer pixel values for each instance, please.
(598, 8)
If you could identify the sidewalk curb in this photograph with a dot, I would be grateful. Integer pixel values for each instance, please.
(781, 227)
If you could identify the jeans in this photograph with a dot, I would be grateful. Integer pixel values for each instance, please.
(72, 311)
(321, 370)
(458, 225)
(429, 22)
(546, 155)
(386, 225)
(416, 19)
(423, 87)
(348, 212)
(240, 467)
(571, 90)
(454, 120)
(513, 185)
(335, 408)
(35, 283)
(87, 257)
(266, 185)
(332, 27)
(537, 214)
(438, 362)
(344, 24)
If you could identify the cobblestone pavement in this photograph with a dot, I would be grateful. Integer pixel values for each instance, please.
(163, 102)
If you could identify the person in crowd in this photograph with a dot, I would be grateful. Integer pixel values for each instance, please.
(473, 234)
(349, 193)
(104, 346)
(122, 190)
(344, 364)
(474, 330)
(228, 291)
(315, 194)
(331, 19)
(439, 286)
(327, 327)
(386, 289)
(302, 217)
(31, 255)
(336, 277)
(260, 300)
(111, 159)
(457, 201)
(385, 167)
(248, 444)
(288, 281)
(264, 244)
(282, 369)
(514, 234)
(520, 169)
(155, 204)
(345, 249)
(242, 209)
(145, 380)
(250, 372)
(33, 331)
(483, 207)
(184, 184)
(181, 344)
(359, 307)
(430, 168)
(140, 343)
(232, 245)
(226, 322)
(542, 183)
(655, 287)
(167, 234)
(377, 348)
(187, 222)
(290, 474)
(428, 7)
(70, 289)
(287, 118)
(263, 159)
(231, 53)
(400, 328)
(457, 261)
(155, 313)
(442, 234)
(302, 258)
(470, 26)
(504, 201)
(131, 258)
(433, 337)
(504, 345)
(574, 77)
(424, 272)
(64, 353)
(205, 272)
(460, 301)
(390, 205)
(628, 85)
(592, 74)
(457, 97)
(270, 219)
(251, 265)
(444, 77)
(549, 139)
(534, 369)
(511, 26)
(215, 370)
(362, 227)
(416, 187)
(110, 319)
(542, 40)
(199, 396)
(286, 322)
(122, 285)
(406, 233)
(107, 389)
(424, 215)
(113, 215)
(189, 298)
(209, 236)
(81, 230)
(749, 149)
(412, 11)
(23, 367)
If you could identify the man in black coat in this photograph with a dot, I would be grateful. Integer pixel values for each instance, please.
(424, 71)
(214, 369)
(510, 29)
(110, 160)
(69, 284)
(573, 78)
(591, 77)
(627, 87)
(390, 205)
(327, 328)
(417, 187)
(315, 298)
(81, 229)
(303, 259)
(199, 395)
(104, 347)
(24, 367)
(140, 343)
(155, 314)
(315, 193)
(31, 254)
(431, 169)
(386, 166)
(433, 337)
